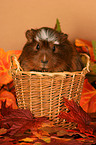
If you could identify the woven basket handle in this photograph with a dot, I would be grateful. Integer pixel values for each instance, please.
(14, 59)
(88, 61)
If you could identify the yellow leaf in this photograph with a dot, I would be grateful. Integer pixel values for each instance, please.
(28, 139)
(3, 131)
(46, 139)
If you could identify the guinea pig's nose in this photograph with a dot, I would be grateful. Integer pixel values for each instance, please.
(45, 62)
(44, 59)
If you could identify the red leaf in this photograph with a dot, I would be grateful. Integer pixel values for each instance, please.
(9, 97)
(88, 98)
(5, 110)
(6, 141)
(9, 87)
(20, 120)
(64, 141)
(77, 115)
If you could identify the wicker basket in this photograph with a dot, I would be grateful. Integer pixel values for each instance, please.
(43, 92)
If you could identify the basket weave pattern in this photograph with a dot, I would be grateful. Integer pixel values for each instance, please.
(43, 93)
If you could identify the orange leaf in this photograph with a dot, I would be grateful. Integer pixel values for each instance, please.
(85, 47)
(88, 97)
(5, 65)
(2, 53)
(10, 99)
(5, 78)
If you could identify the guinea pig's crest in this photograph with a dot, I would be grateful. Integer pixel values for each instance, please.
(46, 34)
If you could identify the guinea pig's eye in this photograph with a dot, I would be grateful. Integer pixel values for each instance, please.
(37, 47)
(54, 48)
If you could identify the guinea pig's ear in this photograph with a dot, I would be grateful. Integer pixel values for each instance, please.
(66, 36)
(30, 35)
(63, 37)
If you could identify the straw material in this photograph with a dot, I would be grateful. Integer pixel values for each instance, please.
(43, 92)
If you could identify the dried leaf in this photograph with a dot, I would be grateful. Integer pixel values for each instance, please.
(28, 139)
(64, 141)
(3, 131)
(38, 143)
(42, 137)
(85, 47)
(6, 141)
(9, 97)
(5, 110)
(46, 139)
(20, 120)
(93, 116)
(94, 48)
(5, 65)
(57, 26)
(8, 87)
(88, 98)
(77, 115)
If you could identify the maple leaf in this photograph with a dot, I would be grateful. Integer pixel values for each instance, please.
(88, 97)
(93, 116)
(5, 110)
(77, 115)
(8, 87)
(18, 121)
(9, 97)
(3, 131)
(6, 141)
(64, 141)
(5, 65)
(86, 47)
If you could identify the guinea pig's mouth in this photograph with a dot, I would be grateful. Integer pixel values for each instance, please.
(44, 70)
(40, 70)
(43, 67)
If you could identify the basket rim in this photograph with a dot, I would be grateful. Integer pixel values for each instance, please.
(21, 71)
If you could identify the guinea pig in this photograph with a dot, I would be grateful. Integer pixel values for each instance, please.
(48, 50)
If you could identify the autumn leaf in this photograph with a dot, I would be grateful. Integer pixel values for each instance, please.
(85, 46)
(20, 120)
(28, 139)
(57, 26)
(9, 87)
(6, 141)
(64, 141)
(3, 131)
(77, 115)
(88, 98)
(9, 97)
(5, 65)
(5, 110)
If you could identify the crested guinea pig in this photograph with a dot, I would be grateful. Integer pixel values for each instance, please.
(50, 51)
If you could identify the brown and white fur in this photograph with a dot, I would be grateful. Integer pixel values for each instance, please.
(50, 51)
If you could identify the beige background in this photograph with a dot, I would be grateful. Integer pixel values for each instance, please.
(77, 18)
